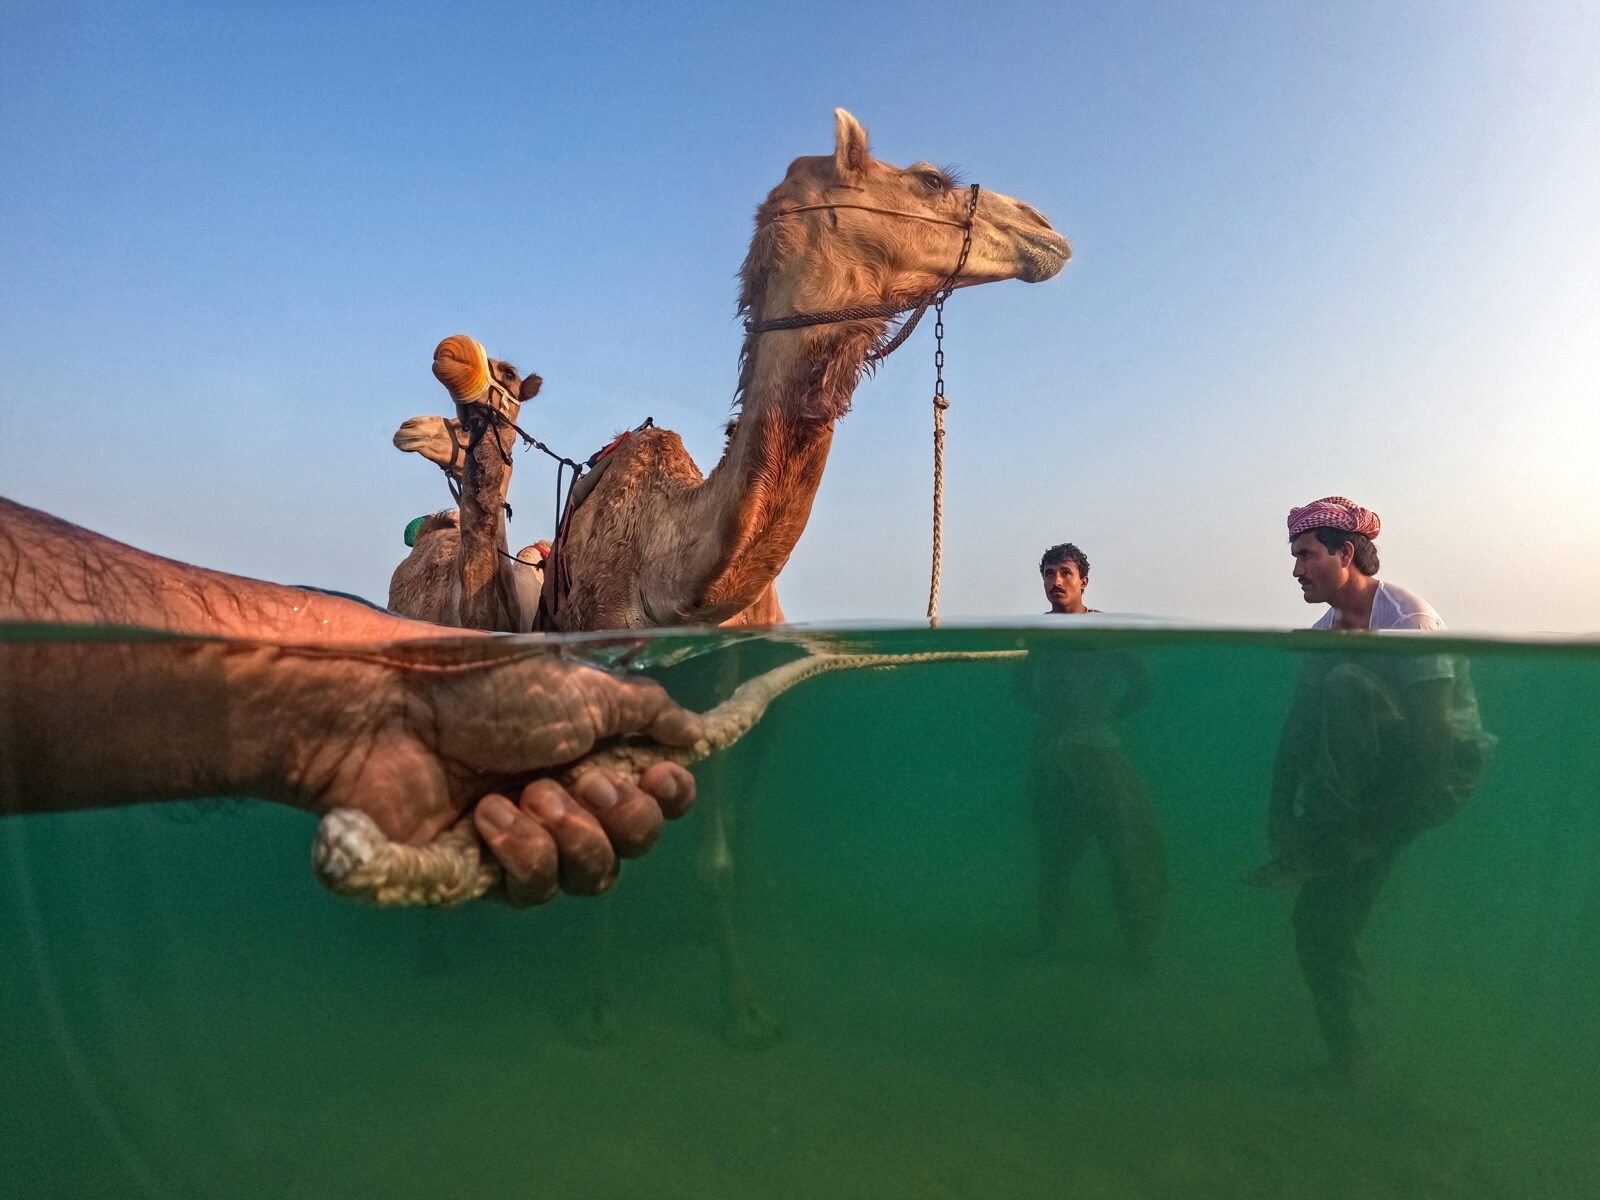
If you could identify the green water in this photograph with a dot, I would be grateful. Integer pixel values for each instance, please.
(186, 1014)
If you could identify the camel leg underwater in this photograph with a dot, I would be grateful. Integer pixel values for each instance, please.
(597, 1026)
(748, 1024)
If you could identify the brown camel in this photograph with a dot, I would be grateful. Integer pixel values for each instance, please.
(424, 585)
(459, 571)
(427, 586)
(656, 543)
(440, 440)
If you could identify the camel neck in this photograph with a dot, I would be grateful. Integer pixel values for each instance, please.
(488, 599)
(794, 385)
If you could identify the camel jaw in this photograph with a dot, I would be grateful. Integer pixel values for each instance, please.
(431, 437)
(1021, 238)
(1043, 258)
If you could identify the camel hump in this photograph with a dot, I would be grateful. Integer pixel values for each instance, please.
(462, 365)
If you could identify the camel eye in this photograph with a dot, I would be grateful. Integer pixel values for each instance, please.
(933, 181)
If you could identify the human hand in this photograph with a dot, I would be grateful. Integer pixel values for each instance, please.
(422, 737)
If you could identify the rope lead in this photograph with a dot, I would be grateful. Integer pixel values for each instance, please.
(940, 403)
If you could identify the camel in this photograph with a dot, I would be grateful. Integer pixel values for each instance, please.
(657, 543)
(427, 586)
(424, 585)
(459, 571)
(440, 440)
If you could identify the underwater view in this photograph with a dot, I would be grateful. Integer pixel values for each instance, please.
(856, 969)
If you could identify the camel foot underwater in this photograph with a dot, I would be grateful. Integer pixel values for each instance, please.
(596, 1027)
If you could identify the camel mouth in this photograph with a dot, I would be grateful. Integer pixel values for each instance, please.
(1043, 256)
(412, 435)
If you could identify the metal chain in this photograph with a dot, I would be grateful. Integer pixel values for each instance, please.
(940, 404)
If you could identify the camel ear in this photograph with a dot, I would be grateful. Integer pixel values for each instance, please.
(530, 387)
(850, 149)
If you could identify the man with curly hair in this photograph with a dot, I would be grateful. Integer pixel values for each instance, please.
(1081, 787)
(1065, 572)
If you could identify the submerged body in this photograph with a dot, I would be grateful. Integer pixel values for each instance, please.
(1376, 749)
(1082, 790)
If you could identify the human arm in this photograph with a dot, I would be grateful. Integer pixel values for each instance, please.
(54, 572)
(416, 735)
(1296, 746)
(318, 710)
(1426, 765)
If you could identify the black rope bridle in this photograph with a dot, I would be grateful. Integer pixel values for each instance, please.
(867, 312)
(497, 418)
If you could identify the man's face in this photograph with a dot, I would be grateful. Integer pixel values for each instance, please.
(1319, 571)
(1063, 587)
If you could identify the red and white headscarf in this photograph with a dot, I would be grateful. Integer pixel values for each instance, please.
(1335, 512)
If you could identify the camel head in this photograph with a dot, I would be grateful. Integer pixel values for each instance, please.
(472, 377)
(440, 440)
(846, 229)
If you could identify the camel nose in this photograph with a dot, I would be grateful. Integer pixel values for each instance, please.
(1034, 215)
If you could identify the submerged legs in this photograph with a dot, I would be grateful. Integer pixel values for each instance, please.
(1329, 917)
(1089, 793)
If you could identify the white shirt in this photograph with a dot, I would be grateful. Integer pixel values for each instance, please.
(1396, 608)
(1392, 608)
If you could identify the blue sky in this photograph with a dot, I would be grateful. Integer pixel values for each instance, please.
(1318, 249)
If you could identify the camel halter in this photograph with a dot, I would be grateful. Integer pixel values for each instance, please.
(866, 312)
(498, 413)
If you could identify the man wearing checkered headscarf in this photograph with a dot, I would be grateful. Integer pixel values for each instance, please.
(1377, 748)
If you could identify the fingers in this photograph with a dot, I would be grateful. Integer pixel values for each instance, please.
(549, 841)
(632, 813)
(631, 819)
(674, 726)
(552, 839)
(672, 787)
(524, 848)
(587, 864)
